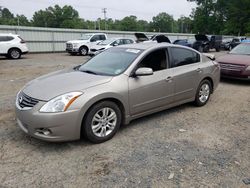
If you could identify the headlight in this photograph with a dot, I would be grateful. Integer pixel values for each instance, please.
(248, 68)
(60, 103)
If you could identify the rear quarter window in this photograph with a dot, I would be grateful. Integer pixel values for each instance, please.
(6, 38)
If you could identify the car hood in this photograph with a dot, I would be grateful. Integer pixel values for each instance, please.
(201, 38)
(57, 83)
(141, 37)
(77, 41)
(234, 59)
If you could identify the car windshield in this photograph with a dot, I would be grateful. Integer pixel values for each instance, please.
(242, 49)
(111, 62)
(106, 42)
(85, 37)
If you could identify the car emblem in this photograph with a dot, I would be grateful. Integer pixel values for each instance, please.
(20, 99)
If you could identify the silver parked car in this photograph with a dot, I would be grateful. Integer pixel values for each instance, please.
(113, 88)
(109, 43)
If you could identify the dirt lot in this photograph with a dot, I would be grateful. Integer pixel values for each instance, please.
(213, 150)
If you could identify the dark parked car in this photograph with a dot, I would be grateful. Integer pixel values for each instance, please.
(225, 45)
(141, 37)
(202, 43)
(237, 62)
(235, 42)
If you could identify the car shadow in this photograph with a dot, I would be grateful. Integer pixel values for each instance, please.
(156, 115)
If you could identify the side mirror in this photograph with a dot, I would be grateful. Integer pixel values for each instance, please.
(144, 71)
(115, 44)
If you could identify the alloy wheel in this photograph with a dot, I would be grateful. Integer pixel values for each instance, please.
(104, 122)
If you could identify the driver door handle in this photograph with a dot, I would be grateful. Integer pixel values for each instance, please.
(169, 79)
(199, 70)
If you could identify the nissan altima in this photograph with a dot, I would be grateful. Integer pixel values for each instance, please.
(113, 88)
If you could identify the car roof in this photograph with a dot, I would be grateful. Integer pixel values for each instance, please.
(144, 46)
(94, 33)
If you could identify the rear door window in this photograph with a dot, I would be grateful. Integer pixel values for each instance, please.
(6, 38)
(181, 56)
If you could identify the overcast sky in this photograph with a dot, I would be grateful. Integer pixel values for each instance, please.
(116, 9)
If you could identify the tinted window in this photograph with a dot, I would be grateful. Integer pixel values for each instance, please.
(155, 60)
(6, 38)
(182, 57)
(118, 42)
(102, 37)
(97, 37)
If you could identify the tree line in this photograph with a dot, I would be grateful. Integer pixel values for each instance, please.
(230, 17)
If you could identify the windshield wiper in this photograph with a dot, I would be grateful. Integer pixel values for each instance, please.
(89, 71)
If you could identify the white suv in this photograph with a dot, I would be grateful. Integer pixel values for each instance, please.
(12, 46)
(83, 44)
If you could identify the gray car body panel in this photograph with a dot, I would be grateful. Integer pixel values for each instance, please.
(138, 96)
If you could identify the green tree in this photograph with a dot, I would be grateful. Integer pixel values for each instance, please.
(128, 23)
(222, 16)
(163, 22)
(59, 17)
(184, 25)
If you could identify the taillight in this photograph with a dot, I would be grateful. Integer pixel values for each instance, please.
(22, 41)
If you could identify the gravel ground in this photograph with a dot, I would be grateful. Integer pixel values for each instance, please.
(181, 147)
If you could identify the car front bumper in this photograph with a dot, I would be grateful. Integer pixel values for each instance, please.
(243, 75)
(54, 127)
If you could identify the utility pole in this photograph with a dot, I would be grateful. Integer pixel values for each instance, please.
(104, 11)
(1, 14)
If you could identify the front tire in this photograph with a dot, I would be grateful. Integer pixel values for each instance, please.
(14, 53)
(102, 122)
(203, 93)
(83, 51)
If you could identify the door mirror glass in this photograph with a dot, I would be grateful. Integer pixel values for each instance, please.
(144, 71)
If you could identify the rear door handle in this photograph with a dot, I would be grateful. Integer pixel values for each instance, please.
(199, 70)
(169, 79)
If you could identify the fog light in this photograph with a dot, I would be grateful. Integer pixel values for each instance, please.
(44, 131)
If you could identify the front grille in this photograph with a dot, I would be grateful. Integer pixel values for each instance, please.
(69, 45)
(232, 67)
(26, 101)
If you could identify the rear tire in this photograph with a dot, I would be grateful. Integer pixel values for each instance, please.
(203, 93)
(14, 53)
(102, 122)
(206, 49)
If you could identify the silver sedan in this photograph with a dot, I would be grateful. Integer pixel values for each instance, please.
(113, 88)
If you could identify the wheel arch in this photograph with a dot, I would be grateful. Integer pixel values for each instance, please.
(115, 100)
(14, 48)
